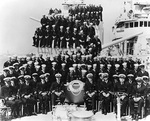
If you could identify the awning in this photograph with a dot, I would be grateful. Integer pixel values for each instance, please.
(120, 40)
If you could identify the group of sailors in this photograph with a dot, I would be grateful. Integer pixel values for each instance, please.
(28, 80)
(54, 11)
(87, 11)
(69, 32)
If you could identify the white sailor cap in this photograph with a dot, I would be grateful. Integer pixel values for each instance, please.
(58, 75)
(6, 69)
(145, 77)
(42, 76)
(37, 66)
(124, 64)
(101, 65)
(108, 65)
(30, 62)
(89, 66)
(61, 26)
(71, 69)
(54, 63)
(11, 67)
(21, 67)
(15, 64)
(136, 65)
(94, 65)
(47, 74)
(83, 71)
(34, 74)
(43, 65)
(27, 77)
(74, 65)
(117, 65)
(89, 75)
(130, 75)
(122, 76)
(63, 64)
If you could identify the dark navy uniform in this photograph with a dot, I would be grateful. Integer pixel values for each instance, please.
(90, 92)
(138, 93)
(57, 90)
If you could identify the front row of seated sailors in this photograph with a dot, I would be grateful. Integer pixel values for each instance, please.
(28, 92)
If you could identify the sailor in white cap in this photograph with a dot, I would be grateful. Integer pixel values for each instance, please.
(90, 91)
(57, 90)
(70, 76)
(142, 71)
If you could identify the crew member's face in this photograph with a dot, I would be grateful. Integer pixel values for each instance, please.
(139, 83)
(21, 81)
(11, 71)
(5, 73)
(12, 83)
(58, 80)
(42, 81)
(121, 80)
(7, 84)
(105, 78)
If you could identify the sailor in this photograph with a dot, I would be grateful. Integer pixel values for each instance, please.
(90, 92)
(117, 69)
(130, 63)
(43, 94)
(53, 71)
(57, 90)
(124, 69)
(9, 98)
(16, 69)
(48, 63)
(43, 20)
(91, 33)
(142, 71)
(70, 76)
(63, 71)
(138, 93)
(121, 90)
(4, 75)
(95, 72)
(75, 37)
(8, 62)
(30, 68)
(54, 36)
(26, 97)
(135, 70)
(63, 42)
(104, 89)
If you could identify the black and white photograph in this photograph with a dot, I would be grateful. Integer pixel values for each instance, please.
(75, 60)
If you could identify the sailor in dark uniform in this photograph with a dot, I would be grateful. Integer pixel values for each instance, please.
(57, 90)
(26, 97)
(63, 42)
(121, 91)
(43, 94)
(90, 92)
(104, 88)
(8, 62)
(142, 71)
(91, 31)
(70, 76)
(4, 75)
(138, 93)
(63, 71)
(9, 98)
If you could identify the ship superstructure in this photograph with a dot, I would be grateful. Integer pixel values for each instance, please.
(134, 19)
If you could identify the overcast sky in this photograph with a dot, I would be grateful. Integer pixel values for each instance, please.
(16, 29)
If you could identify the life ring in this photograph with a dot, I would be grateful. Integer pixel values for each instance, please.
(74, 91)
